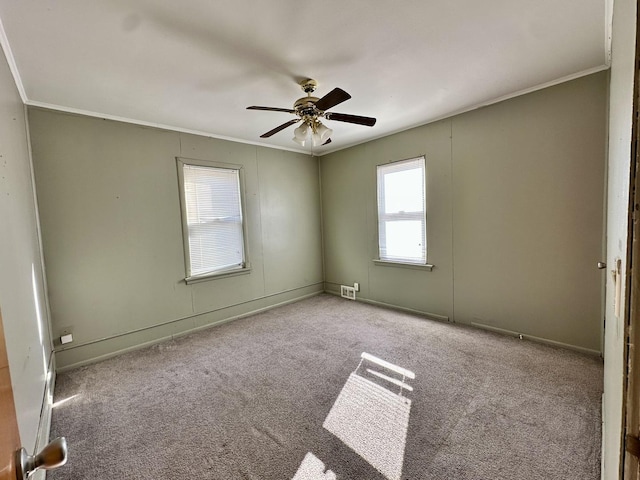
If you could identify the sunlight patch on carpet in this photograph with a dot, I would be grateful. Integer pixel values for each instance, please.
(63, 401)
(373, 420)
(312, 468)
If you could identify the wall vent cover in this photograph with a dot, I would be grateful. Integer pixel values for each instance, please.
(347, 292)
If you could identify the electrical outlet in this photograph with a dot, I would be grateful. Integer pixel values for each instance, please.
(65, 336)
(356, 286)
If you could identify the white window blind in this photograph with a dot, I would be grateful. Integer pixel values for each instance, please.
(213, 213)
(402, 235)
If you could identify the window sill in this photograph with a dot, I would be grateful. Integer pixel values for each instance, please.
(214, 276)
(415, 266)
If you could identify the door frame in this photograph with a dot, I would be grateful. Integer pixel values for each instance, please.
(630, 465)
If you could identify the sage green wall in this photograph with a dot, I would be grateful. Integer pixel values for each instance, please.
(113, 245)
(515, 213)
(515, 196)
(350, 221)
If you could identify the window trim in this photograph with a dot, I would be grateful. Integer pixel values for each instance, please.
(404, 264)
(415, 266)
(246, 266)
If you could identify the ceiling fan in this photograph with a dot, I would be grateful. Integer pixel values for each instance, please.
(309, 110)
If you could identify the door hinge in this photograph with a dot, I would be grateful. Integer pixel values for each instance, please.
(633, 446)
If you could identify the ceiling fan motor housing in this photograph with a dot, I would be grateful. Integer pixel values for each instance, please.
(306, 106)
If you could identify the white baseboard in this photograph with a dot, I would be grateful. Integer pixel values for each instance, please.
(524, 336)
(443, 318)
(429, 315)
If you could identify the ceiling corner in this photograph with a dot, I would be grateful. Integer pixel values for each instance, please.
(6, 48)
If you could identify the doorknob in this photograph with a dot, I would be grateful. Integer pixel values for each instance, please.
(52, 456)
(602, 265)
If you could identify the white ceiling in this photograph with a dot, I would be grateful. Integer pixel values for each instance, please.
(195, 65)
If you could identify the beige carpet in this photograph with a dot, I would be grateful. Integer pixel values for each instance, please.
(248, 400)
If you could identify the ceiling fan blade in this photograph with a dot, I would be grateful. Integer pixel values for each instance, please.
(327, 142)
(331, 99)
(343, 117)
(281, 127)
(272, 109)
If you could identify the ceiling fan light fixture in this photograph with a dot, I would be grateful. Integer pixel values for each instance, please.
(300, 141)
(301, 133)
(320, 134)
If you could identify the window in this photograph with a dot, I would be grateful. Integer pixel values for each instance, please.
(212, 219)
(402, 236)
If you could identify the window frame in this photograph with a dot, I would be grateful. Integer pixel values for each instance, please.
(421, 265)
(246, 266)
